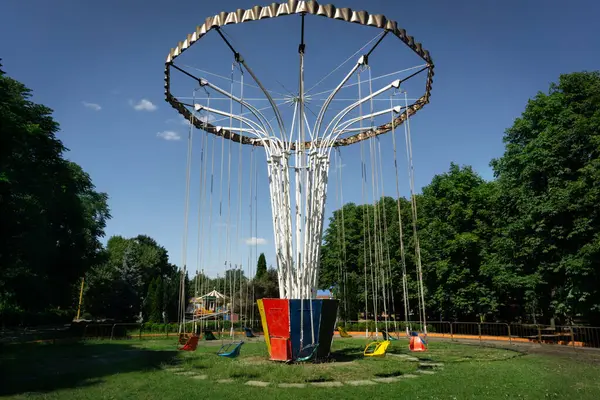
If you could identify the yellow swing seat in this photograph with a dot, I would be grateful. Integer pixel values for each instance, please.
(343, 332)
(376, 349)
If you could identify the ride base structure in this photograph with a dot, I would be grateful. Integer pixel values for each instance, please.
(291, 333)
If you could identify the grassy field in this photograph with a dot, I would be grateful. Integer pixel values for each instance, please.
(153, 369)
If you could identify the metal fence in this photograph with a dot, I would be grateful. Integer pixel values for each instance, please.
(575, 336)
(567, 335)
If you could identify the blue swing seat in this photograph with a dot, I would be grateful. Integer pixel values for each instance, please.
(225, 351)
(249, 333)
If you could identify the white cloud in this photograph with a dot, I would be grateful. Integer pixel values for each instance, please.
(144, 105)
(168, 135)
(92, 106)
(255, 240)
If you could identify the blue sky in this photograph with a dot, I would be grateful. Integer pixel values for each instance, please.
(99, 65)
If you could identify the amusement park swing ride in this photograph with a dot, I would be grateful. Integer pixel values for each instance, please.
(297, 326)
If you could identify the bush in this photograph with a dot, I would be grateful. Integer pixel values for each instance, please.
(16, 317)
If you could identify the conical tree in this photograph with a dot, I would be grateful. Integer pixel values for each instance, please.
(261, 266)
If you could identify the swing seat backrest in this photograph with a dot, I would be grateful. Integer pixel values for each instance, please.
(343, 332)
(225, 352)
(208, 335)
(191, 344)
(307, 353)
(376, 349)
(183, 338)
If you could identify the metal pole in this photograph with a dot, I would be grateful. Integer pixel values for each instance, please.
(80, 299)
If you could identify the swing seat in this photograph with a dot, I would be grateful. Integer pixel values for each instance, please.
(208, 335)
(226, 351)
(310, 352)
(191, 344)
(183, 338)
(417, 343)
(343, 332)
(387, 336)
(249, 333)
(376, 349)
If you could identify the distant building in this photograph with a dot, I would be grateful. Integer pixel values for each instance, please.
(208, 304)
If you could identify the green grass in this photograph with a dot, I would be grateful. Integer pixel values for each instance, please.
(139, 369)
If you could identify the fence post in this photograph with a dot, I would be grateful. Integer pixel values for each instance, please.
(112, 331)
(479, 330)
(539, 334)
(509, 335)
(141, 327)
(572, 336)
(451, 330)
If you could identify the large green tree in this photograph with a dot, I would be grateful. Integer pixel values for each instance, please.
(455, 232)
(52, 217)
(549, 177)
(122, 287)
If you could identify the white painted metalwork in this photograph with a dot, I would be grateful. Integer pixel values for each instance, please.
(298, 176)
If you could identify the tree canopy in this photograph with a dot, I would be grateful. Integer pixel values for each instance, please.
(523, 247)
(52, 216)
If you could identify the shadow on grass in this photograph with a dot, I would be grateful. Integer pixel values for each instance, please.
(244, 375)
(347, 354)
(27, 368)
(318, 380)
(389, 374)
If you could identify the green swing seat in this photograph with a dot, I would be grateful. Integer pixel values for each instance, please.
(310, 352)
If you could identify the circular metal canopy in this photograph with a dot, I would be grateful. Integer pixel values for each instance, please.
(304, 8)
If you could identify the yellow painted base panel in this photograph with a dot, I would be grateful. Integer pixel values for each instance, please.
(263, 319)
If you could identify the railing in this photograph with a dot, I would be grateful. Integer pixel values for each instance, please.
(149, 331)
(574, 336)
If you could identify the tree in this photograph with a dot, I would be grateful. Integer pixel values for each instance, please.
(52, 217)
(349, 243)
(549, 176)
(267, 286)
(136, 276)
(261, 266)
(155, 300)
(454, 237)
